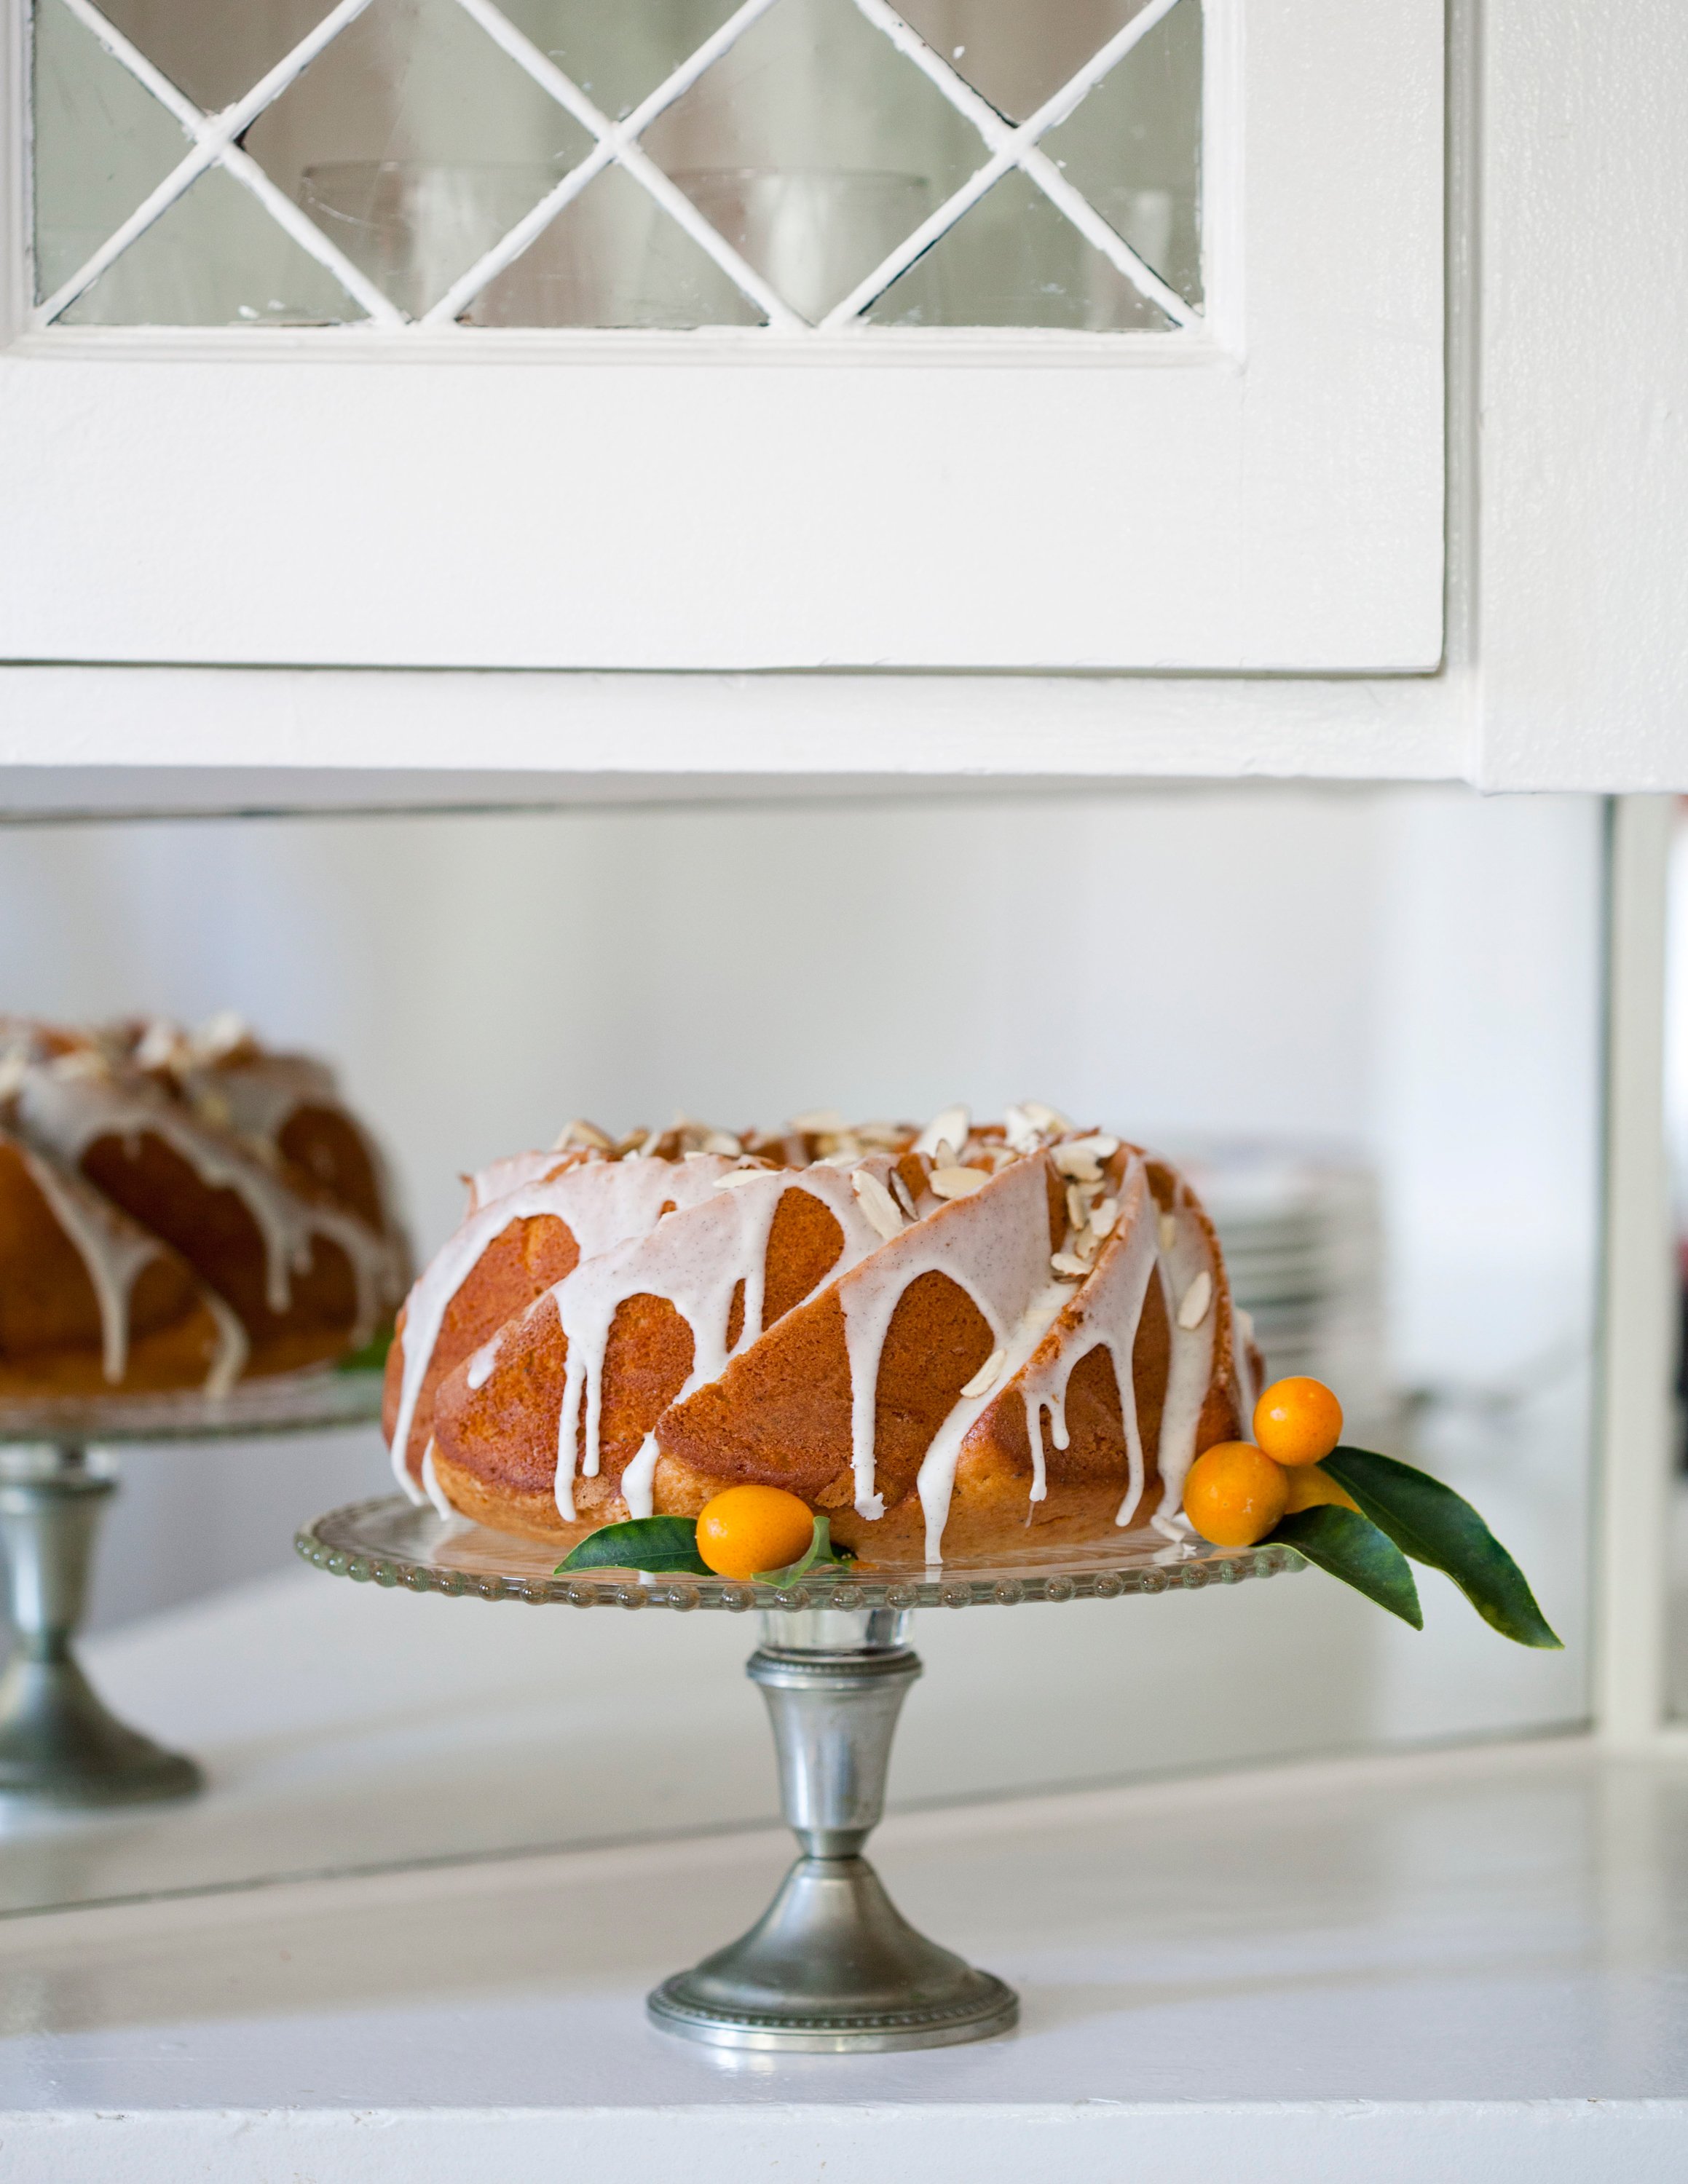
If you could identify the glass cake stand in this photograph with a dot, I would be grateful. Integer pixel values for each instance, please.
(60, 1745)
(831, 1966)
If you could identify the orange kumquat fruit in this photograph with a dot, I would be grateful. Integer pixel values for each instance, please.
(753, 1528)
(1235, 1494)
(1297, 1421)
(1309, 1486)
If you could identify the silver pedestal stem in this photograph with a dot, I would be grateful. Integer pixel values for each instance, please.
(59, 1745)
(832, 1966)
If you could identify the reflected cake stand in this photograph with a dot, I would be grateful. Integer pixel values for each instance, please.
(60, 1745)
(831, 1966)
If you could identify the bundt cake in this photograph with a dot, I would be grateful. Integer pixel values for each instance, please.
(180, 1210)
(939, 1337)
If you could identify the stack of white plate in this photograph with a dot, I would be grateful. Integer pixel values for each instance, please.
(1303, 1242)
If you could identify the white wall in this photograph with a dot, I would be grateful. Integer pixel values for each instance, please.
(1416, 971)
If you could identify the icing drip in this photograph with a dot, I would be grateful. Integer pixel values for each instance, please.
(695, 1259)
(1183, 1260)
(603, 1203)
(994, 1243)
(431, 1485)
(232, 1347)
(113, 1251)
(936, 1483)
(639, 1477)
(1104, 1313)
(67, 1111)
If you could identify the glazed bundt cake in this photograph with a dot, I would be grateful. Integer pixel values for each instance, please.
(180, 1210)
(937, 1337)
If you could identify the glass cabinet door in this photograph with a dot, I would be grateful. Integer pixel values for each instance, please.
(674, 334)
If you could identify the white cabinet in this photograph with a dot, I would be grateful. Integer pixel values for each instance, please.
(1289, 523)
(1254, 484)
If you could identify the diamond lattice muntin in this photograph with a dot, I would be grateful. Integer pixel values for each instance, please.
(794, 166)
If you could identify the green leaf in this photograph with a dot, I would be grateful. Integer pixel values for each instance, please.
(1437, 1527)
(372, 1358)
(1359, 1553)
(820, 1550)
(644, 1543)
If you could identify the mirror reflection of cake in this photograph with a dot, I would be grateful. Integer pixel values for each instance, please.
(952, 1341)
(182, 1210)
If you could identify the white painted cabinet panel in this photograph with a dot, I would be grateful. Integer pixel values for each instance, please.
(1259, 489)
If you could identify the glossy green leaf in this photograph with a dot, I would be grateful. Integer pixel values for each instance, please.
(643, 1543)
(821, 1553)
(1354, 1550)
(1439, 1528)
(372, 1358)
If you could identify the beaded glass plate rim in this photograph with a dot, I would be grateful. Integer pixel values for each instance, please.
(316, 1399)
(329, 1544)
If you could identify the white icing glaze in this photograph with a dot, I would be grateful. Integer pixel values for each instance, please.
(993, 1243)
(603, 1202)
(696, 1260)
(113, 1251)
(501, 1177)
(66, 1110)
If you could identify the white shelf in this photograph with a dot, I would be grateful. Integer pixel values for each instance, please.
(1458, 1964)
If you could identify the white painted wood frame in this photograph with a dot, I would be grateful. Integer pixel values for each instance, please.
(1638, 1297)
(1261, 491)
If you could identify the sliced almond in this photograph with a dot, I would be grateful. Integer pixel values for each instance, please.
(741, 1175)
(1197, 1299)
(949, 1125)
(1074, 1162)
(1245, 1323)
(1086, 1245)
(987, 1374)
(579, 1132)
(899, 1191)
(877, 1203)
(1042, 1117)
(1078, 1207)
(1069, 1266)
(723, 1142)
(957, 1181)
(1169, 1232)
(1021, 1132)
(1103, 1216)
(14, 1068)
(818, 1121)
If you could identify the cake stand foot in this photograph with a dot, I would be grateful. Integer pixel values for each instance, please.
(832, 1967)
(60, 1746)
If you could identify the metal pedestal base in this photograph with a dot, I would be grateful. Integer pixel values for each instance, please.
(60, 1745)
(832, 1966)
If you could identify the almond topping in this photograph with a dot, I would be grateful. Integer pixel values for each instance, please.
(899, 1191)
(985, 1378)
(579, 1132)
(957, 1181)
(949, 1125)
(1103, 1216)
(1169, 1232)
(1069, 1266)
(877, 1203)
(1197, 1299)
(818, 1122)
(723, 1142)
(742, 1175)
(1078, 1207)
(1042, 1117)
(1074, 1162)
